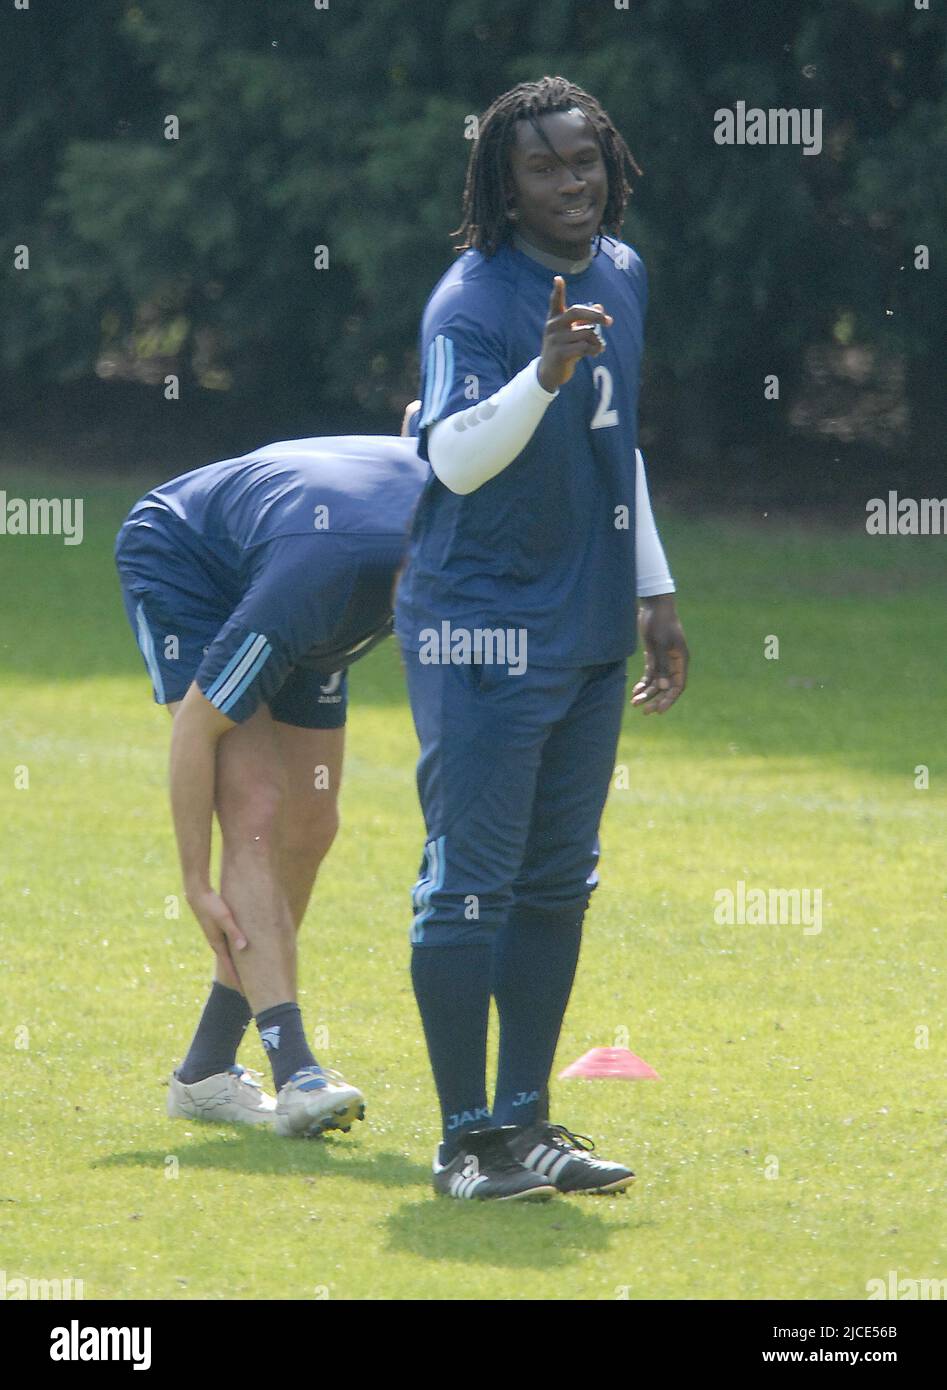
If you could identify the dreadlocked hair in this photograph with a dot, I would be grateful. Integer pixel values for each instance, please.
(486, 223)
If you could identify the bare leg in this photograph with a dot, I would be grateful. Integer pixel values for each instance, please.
(251, 787)
(224, 974)
(277, 806)
(312, 764)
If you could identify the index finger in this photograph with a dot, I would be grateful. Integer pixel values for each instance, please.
(557, 300)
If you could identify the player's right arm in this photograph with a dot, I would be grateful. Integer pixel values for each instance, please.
(198, 726)
(469, 447)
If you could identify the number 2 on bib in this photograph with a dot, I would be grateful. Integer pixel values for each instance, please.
(604, 415)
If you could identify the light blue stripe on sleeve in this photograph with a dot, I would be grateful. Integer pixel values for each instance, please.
(147, 645)
(438, 378)
(429, 375)
(448, 375)
(254, 670)
(224, 691)
(231, 666)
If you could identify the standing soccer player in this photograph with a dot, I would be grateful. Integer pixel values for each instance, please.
(516, 615)
(251, 586)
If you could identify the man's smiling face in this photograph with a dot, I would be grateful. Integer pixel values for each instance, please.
(560, 192)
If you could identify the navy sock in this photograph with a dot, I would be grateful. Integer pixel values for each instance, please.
(534, 961)
(281, 1029)
(452, 987)
(219, 1034)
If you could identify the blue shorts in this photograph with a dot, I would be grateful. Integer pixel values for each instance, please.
(513, 776)
(176, 605)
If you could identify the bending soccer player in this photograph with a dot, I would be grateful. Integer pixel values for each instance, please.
(251, 586)
(516, 615)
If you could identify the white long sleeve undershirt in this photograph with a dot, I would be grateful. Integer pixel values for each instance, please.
(651, 567)
(472, 446)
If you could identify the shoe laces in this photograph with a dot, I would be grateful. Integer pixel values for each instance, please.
(323, 1073)
(248, 1076)
(561, 1138)
(332, 1074)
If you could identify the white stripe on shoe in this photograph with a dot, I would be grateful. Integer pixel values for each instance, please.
(557, 1168)
(547, 1162)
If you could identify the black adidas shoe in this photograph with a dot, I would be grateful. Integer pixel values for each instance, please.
(552, 1152)
(484, 1170)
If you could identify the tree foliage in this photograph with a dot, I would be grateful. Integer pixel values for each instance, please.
(344, 128)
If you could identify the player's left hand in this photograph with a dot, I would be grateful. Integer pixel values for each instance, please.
(665, 655)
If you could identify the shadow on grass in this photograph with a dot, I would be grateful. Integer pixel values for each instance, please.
(267, 1153)
(523, 1235)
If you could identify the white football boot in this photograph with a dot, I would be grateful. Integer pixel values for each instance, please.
(315, 1099)
(231, 1096)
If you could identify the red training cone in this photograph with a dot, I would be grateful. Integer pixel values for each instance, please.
(615, 1062)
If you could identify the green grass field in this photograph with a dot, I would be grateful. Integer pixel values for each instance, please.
(792, 1148)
